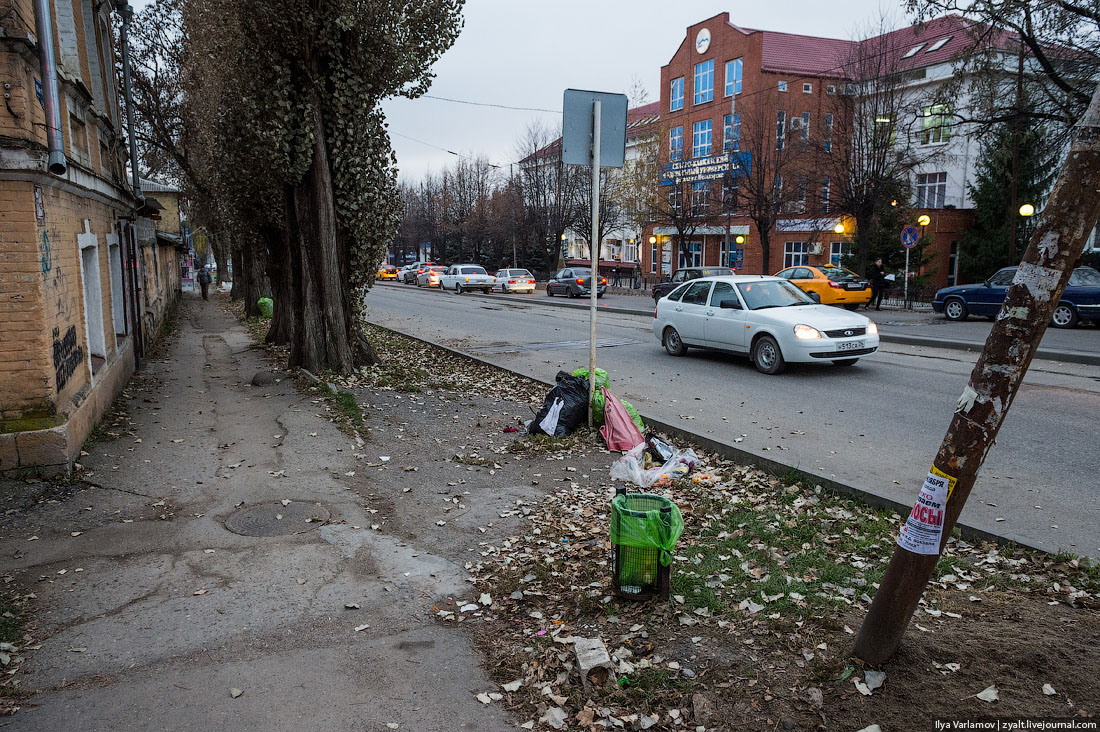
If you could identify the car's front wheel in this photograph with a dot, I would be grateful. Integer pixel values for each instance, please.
(852, 306)
(549, 292)
(672, 342)
(767, 357)
(1064, 316)
(845, 361)
(955, 309)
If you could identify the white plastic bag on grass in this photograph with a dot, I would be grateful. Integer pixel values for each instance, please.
(630, 467)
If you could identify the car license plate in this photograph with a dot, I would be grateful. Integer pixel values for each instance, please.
(855, 286)
(849, 346)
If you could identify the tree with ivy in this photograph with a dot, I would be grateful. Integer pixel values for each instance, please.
(985, 246)
(292, 91)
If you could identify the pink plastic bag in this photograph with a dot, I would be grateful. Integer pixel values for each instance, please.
(619, 430)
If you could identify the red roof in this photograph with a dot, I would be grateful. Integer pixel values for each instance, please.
(806, 55)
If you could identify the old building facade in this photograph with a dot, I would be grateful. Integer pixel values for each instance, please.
(70, 276)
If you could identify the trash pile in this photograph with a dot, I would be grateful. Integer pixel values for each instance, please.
(566, 408)
(654, 463)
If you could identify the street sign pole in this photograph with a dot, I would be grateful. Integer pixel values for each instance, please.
(594, 250)
(906, 295)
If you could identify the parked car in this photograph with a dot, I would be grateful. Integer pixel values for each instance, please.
(1080, 300)
(409, 273)
(833, 285)
(430, 276)
(574, 282)
(386, 272)
(515, 280)
(684, 274)
(766, 318)
(464, 277)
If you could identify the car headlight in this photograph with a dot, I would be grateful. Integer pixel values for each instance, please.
(872, 329)
(805, 332)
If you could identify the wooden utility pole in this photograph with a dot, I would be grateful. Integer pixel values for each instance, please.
(1017, 123)
(1070, 215)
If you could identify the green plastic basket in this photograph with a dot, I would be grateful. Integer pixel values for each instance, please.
(644, 530)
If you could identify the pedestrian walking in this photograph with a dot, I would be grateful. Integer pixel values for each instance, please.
(618, 281)
(877, 275)
(204, 282)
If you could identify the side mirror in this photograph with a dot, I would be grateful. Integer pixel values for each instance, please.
(729, 305)
(814, 296)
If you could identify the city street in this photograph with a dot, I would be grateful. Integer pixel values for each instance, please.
(875, 426)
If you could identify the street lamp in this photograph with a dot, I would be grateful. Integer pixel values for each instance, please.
(839, 228)
(1027, 210)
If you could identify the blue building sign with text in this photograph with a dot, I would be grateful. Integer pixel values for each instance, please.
(711, 167)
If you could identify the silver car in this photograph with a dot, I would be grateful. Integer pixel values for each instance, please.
(515, 280)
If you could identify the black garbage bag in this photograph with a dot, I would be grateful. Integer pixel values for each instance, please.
(572, 392)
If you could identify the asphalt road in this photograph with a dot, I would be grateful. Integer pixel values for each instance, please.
(876, 426)
(1084, 339)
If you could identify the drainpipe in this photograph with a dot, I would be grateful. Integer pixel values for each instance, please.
(127, 15)
(44, 23)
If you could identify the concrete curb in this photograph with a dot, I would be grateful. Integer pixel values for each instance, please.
(1045, 354)
(745, 457)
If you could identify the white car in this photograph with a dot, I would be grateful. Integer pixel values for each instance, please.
(515, 280)
(464, 277)
(766, 318)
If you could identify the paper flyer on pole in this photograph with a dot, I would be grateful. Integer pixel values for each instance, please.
(924, 527)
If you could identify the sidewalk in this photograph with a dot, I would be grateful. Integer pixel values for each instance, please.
(148, 613)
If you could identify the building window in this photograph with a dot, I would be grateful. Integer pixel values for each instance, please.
(953, 265)
(782, 86)
(838, 250)
(780, 129)
(654, 253)
(805, 128)
(78, 135)
(913, 51)
(807, 87)
(701, 139)
(828, 133)
(676, 143)
(939, 44)
(831, 89)
(931, 190)
(704, 82)
(796, 253)
(676, 199)
(700, 196)
(826, 186)
(935, 124)
(630, 251)
(676, 98)
(733, 76)
(798, 205)
(694, 257)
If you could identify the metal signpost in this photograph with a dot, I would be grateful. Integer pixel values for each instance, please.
(908, 240)
(593, 133)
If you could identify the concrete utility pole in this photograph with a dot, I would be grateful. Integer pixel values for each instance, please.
(1055, 247)
(594, 250)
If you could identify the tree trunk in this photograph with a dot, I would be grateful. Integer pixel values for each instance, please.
(765, 248)
(236, 292)
(1066, 222)
(323, 339)
(282, 268)
(220, 258)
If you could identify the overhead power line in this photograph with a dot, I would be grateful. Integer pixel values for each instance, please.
(489, 104)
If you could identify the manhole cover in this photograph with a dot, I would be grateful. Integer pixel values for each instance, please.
(275, 519)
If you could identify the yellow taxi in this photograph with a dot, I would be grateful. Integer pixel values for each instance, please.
(386, 272)
(833, 285)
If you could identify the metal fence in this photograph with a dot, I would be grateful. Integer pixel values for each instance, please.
(918, 298)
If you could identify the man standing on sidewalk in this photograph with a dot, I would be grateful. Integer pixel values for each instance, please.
(877, 275)
(204, 282)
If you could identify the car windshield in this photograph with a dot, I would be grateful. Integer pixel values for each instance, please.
(772, 294)
(473, 270)
(1085, 277)
(713, 271)
(839, 274)
(437, 269)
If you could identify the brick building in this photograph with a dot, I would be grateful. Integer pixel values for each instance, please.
(70, 278)
(769, 96)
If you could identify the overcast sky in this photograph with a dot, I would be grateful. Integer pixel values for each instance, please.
(525, 54)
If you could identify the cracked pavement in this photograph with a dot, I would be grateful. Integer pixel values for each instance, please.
(153, 611)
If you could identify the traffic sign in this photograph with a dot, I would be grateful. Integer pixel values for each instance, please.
(909, 237)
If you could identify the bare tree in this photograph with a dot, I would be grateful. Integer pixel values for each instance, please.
(550, 191)
(868, 144)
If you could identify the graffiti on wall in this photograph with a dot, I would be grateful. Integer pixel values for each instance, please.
(67, 355)
(47, 255)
